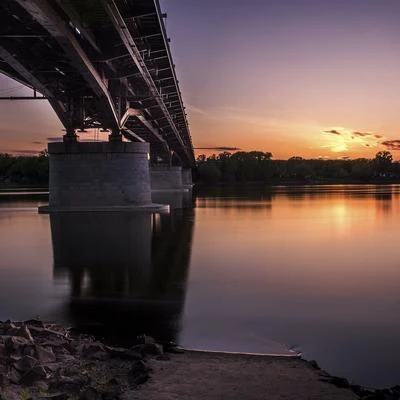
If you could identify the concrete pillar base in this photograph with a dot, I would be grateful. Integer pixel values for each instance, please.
(99, 177)
(166, 178)
(187, 178)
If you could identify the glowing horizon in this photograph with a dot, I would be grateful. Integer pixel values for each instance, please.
(310, 79)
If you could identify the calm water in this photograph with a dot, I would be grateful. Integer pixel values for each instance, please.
(316, 268)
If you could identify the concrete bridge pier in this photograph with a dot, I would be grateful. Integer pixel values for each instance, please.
(187, 181)
(166, 178)
(97, 176)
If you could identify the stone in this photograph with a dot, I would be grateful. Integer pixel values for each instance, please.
(34, 322)
(356, 388)
(71, 385)
(44, 333)
(45, 354)
(2, 351)
(25, 363)
(396, 389)
(35, 374)
(163, 357)
(15, 345)
(8, 327)
(339, 382)
(26, 333)
(91, 349)
(90, 393)
(113, 393)
(54, 396)
(123, 354)
(152, 349)
(3, 379)
(14, 376)
(10, 394)
(174, 349)
(28, 350)
(42, 386)
(139, 372)
(314, 364)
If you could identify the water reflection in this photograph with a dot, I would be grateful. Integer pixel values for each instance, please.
(316, 267)
(126, 272)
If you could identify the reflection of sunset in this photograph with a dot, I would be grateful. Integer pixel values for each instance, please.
(318, 242)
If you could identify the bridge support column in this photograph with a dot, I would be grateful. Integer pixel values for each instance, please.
(165, 177)
(99, 177)
(187, 178)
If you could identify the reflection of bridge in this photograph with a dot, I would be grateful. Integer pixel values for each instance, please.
(103, 64)
(126, 272)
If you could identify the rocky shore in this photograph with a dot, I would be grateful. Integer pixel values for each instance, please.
(47, 361)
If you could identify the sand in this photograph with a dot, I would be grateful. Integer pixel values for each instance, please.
(199, 375)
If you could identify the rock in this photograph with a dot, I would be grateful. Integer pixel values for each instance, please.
(34, 322)
(14, 376)
(174, 349)
(67, 384)
(112, 394)
(314, 364)
(163, 357)
(396, 390)
(2, 351)
(15, 345)
(35, 374)
(9, 327)
(90, 394)
(145, 339)
(44, 333)
(42, 386)
(148, 348)
(45, 354)
(26, 333)
(123, 354)
(339, 382)
(92, 348)
(356, 389)
(73, 346)
(54, 396)
(10, 394)
(25, 363)
(140, 372)
(364, 393)
(3, 380)
(28, 350)
(384, 394)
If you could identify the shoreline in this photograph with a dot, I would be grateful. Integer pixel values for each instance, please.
(41, 361)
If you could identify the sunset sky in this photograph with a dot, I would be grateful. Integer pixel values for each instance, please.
(311, 78)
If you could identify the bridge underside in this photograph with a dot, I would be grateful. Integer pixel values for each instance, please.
(103, 64)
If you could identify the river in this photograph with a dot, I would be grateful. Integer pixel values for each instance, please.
(311, 268)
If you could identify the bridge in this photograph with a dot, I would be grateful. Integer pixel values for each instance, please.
(102, 64)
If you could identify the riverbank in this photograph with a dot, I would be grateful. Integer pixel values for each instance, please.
(46, 361)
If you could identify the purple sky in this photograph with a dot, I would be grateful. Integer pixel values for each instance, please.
(271, 75)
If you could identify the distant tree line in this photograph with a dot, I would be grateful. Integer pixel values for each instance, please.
(257, 166)
(24, 170)
(253, 166)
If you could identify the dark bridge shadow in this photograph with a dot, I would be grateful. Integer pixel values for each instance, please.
(126, 272)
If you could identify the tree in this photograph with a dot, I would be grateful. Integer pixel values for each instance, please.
(383, 162)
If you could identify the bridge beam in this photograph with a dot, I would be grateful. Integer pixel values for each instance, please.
(41, 87)
(130, 45)
(43, 13)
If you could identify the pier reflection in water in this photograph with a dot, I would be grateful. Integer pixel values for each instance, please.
(126, 271)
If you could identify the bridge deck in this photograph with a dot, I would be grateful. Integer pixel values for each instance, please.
(101, 64)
